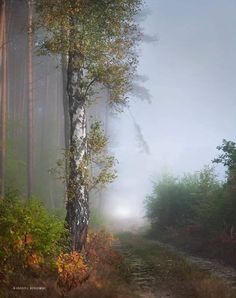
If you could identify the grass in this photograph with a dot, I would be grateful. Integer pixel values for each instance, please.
(173, 272)
(108, 282)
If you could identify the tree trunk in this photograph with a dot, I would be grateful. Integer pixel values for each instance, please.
(66, 117)
(64, 63)
(30, 104)
(4, 101)
(77, 194)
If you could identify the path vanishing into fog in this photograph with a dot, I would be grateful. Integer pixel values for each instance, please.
(227, 273)
(153, 268)
(141, 273)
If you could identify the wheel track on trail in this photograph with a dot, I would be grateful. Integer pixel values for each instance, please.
(141, 273)
(224, 272)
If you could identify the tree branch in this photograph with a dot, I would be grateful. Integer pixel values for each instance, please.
(89, 85)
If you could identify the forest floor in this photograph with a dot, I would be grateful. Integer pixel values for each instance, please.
(148, 269)
(158, 270)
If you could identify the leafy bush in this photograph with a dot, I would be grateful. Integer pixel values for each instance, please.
(29, 235)
(98, 249)
(164, 206)
(227, 157)
(75, 268)
(34, 241)
(72, 271)
(194, 199)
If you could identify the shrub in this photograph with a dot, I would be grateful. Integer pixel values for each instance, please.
(72, 271)
(193, 199)
(75, 268)
(98, 249)
(29, 235)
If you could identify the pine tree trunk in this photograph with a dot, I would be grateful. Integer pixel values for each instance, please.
(30, 104)
(65, 100)
(66, 117)
(4, 101)
(77, 194)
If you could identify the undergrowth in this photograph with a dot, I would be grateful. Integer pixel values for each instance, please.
(36, 260)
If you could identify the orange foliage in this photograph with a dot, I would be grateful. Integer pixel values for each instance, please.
(28, 239)
(72, 271)
(98, 249)
(18, 245)
(21, 243)
(33, 260)
(75, 268)
(22, 246)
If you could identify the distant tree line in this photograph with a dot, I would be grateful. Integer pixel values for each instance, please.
(198, 199)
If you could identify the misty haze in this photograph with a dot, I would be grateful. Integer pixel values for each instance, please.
(117, 148)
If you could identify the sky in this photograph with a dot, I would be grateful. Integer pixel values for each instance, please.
(191, 71)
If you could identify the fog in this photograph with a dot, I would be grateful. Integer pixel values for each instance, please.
(181, 107)
(116, 182)
(191, 81)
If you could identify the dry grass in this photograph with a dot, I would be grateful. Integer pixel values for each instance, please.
(211, 287)
(107, 282)
(173, 272)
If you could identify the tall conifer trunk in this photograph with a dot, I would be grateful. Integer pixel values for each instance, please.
(4, 101)
(66, 116)
(77, 196)
(30, 104)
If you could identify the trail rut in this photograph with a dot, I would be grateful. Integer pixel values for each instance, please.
(141, 274)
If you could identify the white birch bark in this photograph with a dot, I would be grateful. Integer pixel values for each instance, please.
(77, 196)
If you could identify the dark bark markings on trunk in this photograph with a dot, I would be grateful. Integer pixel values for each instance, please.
(77, 202)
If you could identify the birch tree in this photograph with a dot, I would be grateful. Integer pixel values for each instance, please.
(98, 38)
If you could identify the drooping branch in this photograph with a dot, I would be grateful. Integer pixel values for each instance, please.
(89, 86)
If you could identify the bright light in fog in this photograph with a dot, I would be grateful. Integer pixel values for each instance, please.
(122, 212)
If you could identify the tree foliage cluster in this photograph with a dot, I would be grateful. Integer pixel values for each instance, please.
(100, 35)
(197, 199)
(97, 155)
(98, 167)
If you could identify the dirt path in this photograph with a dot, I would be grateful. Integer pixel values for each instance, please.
(141, 274)
(226, 273)
(159, 270)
